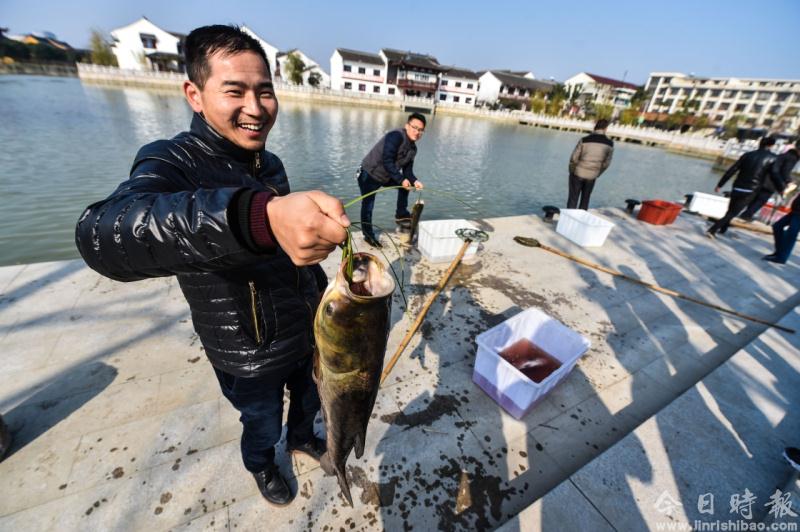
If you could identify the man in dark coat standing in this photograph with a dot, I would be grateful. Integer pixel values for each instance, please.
(390, 163)
(213, 207)
(781, 175)
(590, 158)
(752, 169)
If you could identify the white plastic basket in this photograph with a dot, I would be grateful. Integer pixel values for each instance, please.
(514, 391)
(709, 204)
(583, 228)
(438, 241)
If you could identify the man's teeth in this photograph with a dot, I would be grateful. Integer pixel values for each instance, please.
(252, 127)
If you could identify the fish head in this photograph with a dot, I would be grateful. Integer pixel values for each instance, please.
(352, 308)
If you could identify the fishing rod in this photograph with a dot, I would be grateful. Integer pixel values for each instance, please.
(532, 242)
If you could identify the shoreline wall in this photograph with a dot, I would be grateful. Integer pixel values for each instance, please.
(39, 69)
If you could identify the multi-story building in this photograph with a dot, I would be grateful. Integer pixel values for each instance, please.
(411, 74)
(772, 104)
(144, 46)
(591, 88)
(509, 88)
(459, 86)
(271, 51)
(352, 70)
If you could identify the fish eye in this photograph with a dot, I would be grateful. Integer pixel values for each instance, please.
(329, 309)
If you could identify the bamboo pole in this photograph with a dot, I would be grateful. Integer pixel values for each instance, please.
(532, 242)
(424, 311)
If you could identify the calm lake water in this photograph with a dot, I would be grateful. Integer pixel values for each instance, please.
(64, 145)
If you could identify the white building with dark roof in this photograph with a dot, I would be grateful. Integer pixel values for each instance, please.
(458, 86)
(412, 74)
(600, 89)
(271, 51)
(512, 89)
(144, 46)
(356, 71)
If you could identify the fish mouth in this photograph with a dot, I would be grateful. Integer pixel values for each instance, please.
(370, 278)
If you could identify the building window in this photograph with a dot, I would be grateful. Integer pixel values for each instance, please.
(148, 40)
(740, 107)
(775, 109)
(469, 86)
(458, 83)
(468, 100)
(348, 85)
(376, 89)
(442, 97)
(715, 93)
(724, 106)
(348, 68)
(443, 83)
(728, 94)
(720, 118)
(362, 70)
(391, 90)
(362, 87)
(456, 99)
(376, 72)
(511, 91)
(746, 95)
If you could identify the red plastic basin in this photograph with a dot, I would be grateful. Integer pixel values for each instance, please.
(659, 212)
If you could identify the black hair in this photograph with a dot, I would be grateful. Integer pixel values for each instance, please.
(417, 116)
(601, 124)
(766, 142)
(205, 41)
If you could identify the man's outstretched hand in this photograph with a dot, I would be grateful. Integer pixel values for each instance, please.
(307, 225)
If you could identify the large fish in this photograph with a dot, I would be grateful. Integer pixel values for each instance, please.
(351, 328)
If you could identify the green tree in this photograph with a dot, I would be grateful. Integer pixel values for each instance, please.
(676, 119)
(629, 116)
(603, 110)
(101, 50)
(294, 68)
(538, 103)
(314, 79)
(555, 104)
(731, 126)
(701, 122)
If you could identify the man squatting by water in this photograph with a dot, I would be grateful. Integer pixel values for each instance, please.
(214, 208)
(390, 163)
(590, 158)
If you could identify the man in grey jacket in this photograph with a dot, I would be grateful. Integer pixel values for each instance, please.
(589, 160)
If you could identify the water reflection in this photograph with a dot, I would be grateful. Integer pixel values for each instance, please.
(64, 145)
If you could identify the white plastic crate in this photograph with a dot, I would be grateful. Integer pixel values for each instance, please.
(438, 241)
(583, 228)
(504, 383)
(709, 204)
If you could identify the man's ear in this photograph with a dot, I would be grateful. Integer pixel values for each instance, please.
(193, 96)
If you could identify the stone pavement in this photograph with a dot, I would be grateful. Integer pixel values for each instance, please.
(712, 456)
(119, 424)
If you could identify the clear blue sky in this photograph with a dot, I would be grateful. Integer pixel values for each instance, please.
(743, 38)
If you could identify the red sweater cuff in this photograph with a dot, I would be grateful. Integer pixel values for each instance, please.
(260, 230)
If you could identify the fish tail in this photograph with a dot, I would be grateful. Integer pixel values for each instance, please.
(331, 469)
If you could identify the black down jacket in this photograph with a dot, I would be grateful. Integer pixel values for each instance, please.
(178, 215)
(753, 168)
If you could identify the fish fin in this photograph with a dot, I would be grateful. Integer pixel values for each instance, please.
(345, 487)
(359, 443)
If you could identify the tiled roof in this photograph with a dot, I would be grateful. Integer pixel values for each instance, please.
(515, 80)
(460, 73)
(613, 82)
(412, 59)
(362, 57)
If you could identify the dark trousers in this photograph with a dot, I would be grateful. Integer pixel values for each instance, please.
(259, 400)
(738, 202)
(785, 231)
(579, 187)
(366, 184)
(757, 202)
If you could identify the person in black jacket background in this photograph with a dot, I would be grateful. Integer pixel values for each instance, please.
(781, 175)
(752, 169)
(214, 208)
(390, 163)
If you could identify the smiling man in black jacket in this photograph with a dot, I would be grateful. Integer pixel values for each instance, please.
(213, 207)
